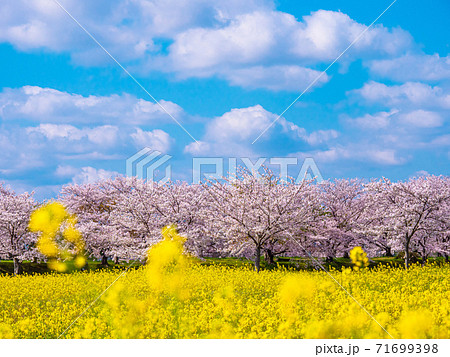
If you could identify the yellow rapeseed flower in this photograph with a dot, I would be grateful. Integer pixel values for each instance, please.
(55, 225)
(359, 258)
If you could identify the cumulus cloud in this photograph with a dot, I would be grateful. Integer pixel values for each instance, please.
(331, 154)
(395, 119)
(385, 157)
(410, 94)
(105, 135)
(90, 174)
(239, 124)
(422, 119)
(130, 30)
(323, 35)
(233, 132)
(66, 171)
(156, 139)
(441, 140)
(373, 121)
(355, 153)
(412, 67)
(275, 78)
(314, 138)
(230, 39)
(421, 173)
(53, 106)
(198, 148)
(418, 114)
(255, 49)
(275, 35)
(42, 129)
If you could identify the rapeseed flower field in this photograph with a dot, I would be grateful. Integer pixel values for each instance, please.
(173, 297)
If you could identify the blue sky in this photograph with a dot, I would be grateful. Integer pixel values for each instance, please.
(225, 70)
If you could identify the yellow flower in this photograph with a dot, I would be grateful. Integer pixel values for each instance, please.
(296, 287)
(416, 324)
(54, 224)
(80, 261)
(359, 258)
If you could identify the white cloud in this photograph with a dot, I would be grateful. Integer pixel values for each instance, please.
(89, 156)
(417, 119)
(128, 29)
(198, 148)
(275, 78)
(53, 131)
(244, 40)
(441, 140)
(52, 106)
(66, 171)
(241, 124)
(355, 152)
(233, 132)
(323, 35)
(230, 39)
(385, 157)
(105, 135)
(417, 67)
(373, 121)
(19, 152)
(421, 173)
(90, 174)
(410, 94)
(422, 119)
(254, 49)
(314, 138)
(325, 156)
(156, 139)
(278, 36)
(395, 120)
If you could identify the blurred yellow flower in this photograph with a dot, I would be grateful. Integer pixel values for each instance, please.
(55, 225)
(359, 258)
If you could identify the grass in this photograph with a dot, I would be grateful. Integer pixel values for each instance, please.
(7, 267)
(296, 263)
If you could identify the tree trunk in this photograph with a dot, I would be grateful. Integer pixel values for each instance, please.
(424, 260)
(116, 260)
(257, 258)
(104, 260)
(447, 258)
(388, 252)
(346, 256)
(269, 257)
(329, 259)
(17, 266)
(407, 254)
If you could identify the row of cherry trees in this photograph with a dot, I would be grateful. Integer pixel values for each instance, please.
(250, 215)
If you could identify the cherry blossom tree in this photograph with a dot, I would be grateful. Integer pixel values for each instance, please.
(122, 217)
(181, 204)
(343, 205)
(16, 242)
(97, 207)
(378, 237)
(416, 210)
(255, 212)
(248, 215)
(144, 207)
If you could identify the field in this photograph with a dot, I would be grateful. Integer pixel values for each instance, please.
(174, 297)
